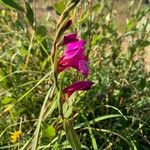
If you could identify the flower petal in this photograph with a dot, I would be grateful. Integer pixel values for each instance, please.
(74, 56)
(74, 49)
(70, 38)
(80, 85)
(78, 62)
(68, 54)
(84, 67)
(75, 45)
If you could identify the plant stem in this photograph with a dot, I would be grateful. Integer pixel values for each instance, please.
(54, 53)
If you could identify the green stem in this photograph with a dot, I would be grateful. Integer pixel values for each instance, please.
(54, 53)
(60, 105)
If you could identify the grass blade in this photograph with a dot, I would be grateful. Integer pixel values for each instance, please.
(36, 133)
(71, 135)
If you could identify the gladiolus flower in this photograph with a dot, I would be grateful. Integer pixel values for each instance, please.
(74, 56)
(80, 85)
(70, 38)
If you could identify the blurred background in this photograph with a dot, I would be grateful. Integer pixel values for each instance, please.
(123, 9)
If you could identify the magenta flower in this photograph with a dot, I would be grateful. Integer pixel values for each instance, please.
(70, 38)
(80, 85)
(74, 56)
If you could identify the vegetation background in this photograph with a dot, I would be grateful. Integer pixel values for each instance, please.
(114, 114)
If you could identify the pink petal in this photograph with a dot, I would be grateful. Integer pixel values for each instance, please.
(80, 85)
(74, 48)
(84, 67)
(63, 64)
(72, 53)
(70, 38)
(75, 45)
(78, 62)
(73, 56)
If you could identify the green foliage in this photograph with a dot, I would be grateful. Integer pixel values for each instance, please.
(49, 131)
(12, 4)
(59, 7)
(29, 14)
(114, 114)
(71, 135)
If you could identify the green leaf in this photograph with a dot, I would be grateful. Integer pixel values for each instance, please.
(68, 112)
(39, 121)
(29, 13)
(98, 119)
(145, 101)
(84, 17)
(59, 7)
(131, 24)
(12, 4)
(143, 43)
(41, 31)
(7, 100)
(71, 135)
(96, 7)
(96, 39)
(49, 131)
(130, 32)
(140, 14)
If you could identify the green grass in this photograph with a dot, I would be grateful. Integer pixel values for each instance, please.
(114, 114)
